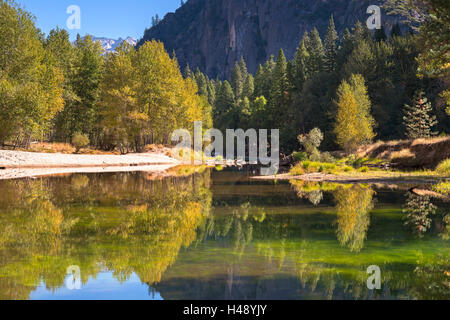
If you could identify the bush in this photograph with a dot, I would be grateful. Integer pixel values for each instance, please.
(327, 157)
(443, 187)
(444, 167)
(297, 170)
(300, 156)
(364, 169)
(315, 155)
(80, 140)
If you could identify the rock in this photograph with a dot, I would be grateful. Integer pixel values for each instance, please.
(212, 35)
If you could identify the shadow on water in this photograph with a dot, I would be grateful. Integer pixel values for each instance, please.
(218, 235)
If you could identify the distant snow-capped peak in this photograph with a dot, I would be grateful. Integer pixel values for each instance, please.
(110, 45)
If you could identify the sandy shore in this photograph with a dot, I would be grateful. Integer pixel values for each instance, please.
(17, 164)
(18, 159)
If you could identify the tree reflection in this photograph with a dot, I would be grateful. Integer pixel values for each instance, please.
(124, 222)
(353, 206)
(418, 210)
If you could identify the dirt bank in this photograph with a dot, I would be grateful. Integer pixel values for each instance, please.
(419, 153)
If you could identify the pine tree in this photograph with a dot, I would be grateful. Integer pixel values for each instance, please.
(360, 32)
(244, 70)
(316, 52)
(249, 87)
(279, 85)
(300, 66)
(417, 120)
(200, 79)
(331, 47)
(347, 46)
(224, 106)
(236, 81)
(259, 82)
(187, 72)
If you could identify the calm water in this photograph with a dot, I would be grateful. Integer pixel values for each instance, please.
(217, 235)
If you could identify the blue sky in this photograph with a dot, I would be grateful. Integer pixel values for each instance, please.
(101, 18)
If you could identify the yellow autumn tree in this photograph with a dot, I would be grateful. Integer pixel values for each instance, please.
(144, 98)
(170, 100)
(354, 123)
(353, 207)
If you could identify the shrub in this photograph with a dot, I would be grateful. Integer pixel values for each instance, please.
(297, 170)
(444, 167)
(80, 140)
(364, 169)
(300, 156)
(315, 155)
(348, 169)
(327, 157)
(311, 142)
(443, 187)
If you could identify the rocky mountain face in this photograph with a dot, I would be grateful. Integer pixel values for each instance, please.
(213, 34)
(110, 45)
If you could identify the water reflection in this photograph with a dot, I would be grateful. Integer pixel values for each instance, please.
(215, 236)
(119, 222)
(353, 206)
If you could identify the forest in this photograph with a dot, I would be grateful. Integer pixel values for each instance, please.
(353, 88)
(365, 86)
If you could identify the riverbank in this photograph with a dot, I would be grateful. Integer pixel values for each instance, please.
(18, 164)
(369, 178)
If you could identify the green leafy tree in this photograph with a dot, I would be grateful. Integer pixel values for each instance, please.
(31, 84)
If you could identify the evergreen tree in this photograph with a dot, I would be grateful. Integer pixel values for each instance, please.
(259, 82)
(243, 68)
(331, 47)
(300, 66)
(347, 46)
(201, 81)
(278, 90)
(249, 87)
(316, 52)
(237, 81)
(224, 106)
(360, 32)
(417, 120)
(188, 72)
